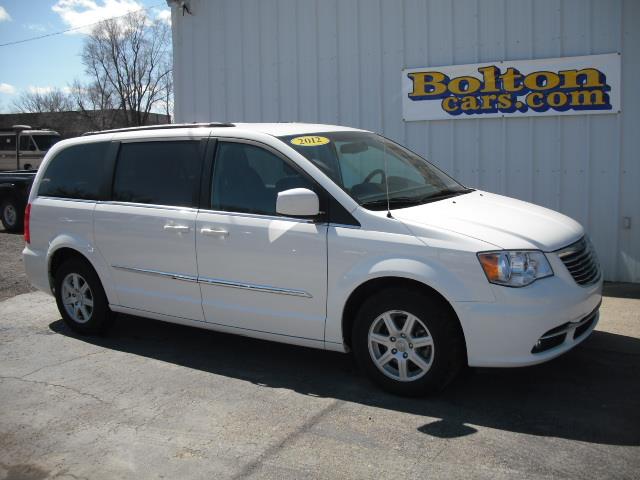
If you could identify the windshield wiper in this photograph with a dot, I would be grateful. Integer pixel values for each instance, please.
(397, 202)
(445, 194)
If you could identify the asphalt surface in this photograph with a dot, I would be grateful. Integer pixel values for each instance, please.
(13, 280)
(154, 400)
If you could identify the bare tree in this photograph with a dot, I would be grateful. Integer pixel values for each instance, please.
(96, 103)
(129, 62)
(54, 100)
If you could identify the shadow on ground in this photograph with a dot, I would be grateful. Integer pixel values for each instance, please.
(590, 394)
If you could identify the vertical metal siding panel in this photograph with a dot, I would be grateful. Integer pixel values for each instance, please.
(465, 131)
(186, 78)
(178, 65)
(573, 177)
(327, 38)
(251, 72)
(416, 54)
(268, 61)
(307, 60)
(518, 143)
(605, 158)
(440, 52)
(200, 78)
(217, 62)
(287, 51)
(491, 152)
(370, 65)
(348, 62)
(234, 75)
(629, 251)
(546, 36)
(392, 65)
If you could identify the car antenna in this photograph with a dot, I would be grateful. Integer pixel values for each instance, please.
(386, 177)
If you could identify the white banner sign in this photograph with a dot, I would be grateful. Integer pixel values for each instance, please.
(551, 86)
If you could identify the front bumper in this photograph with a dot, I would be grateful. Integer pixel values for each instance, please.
(505, 333)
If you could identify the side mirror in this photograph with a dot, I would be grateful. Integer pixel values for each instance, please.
(298, 202)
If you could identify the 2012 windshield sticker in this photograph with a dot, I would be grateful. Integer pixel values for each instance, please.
(511, 91)
(310, 141)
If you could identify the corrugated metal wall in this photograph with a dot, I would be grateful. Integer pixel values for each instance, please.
(339, 61)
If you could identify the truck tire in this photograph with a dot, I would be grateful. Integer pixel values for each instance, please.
(408, 342)
(12, 215)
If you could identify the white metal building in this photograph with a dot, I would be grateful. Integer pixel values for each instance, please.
(341, 62)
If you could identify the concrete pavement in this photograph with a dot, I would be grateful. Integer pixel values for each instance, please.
(154, 400)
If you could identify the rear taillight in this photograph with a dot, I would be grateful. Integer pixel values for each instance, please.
(27, 231)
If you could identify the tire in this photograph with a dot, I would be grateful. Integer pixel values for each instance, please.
(12, 215)
(432, 349)
(84, 309)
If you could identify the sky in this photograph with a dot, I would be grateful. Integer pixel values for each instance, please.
(54, 61)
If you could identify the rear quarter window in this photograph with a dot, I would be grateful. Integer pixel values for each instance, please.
(76, 172)
(159, 173)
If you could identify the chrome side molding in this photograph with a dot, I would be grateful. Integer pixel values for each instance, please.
(252, 286)
(218, 282)
(158, 273)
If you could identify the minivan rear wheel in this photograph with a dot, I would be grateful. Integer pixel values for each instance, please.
(81, 299)
(407, 342)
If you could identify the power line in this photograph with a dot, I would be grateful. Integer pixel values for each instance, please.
(15, 42)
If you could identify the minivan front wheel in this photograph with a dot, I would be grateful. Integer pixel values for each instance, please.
(407, 342)
(80, 297)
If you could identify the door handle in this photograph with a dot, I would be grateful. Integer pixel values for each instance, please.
(215, 232)
(177, 228)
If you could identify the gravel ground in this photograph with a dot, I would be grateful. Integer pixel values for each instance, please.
(13, 280)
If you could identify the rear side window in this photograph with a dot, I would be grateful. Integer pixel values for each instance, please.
(76, 172)
(158, 173)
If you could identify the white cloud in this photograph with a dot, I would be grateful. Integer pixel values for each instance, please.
(8, 89)
(77, 13)
(47, 89)
(164, 16)
(40, 90)
(4, 15)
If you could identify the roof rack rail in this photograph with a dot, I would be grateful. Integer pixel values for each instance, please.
(164, 126)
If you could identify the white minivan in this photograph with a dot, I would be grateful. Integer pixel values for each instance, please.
(316, 235)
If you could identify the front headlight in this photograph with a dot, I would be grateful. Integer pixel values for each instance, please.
(514, 268)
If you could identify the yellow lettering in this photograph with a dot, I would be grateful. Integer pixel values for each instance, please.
(590, 78)
(586, 97)
(531, 100)
(509, 80)
(427, 84)
(472, 85)
(504, 101)
(489, 76)
(469, 103)
(450, 104)
(549, 80)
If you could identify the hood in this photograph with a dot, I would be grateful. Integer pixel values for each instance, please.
(504, 222)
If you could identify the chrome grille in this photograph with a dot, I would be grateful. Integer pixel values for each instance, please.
(581, 261)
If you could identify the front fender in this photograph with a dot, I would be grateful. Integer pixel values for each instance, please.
(456, 275)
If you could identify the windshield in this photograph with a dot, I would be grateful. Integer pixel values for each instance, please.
(365, 165)
(45, 142)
